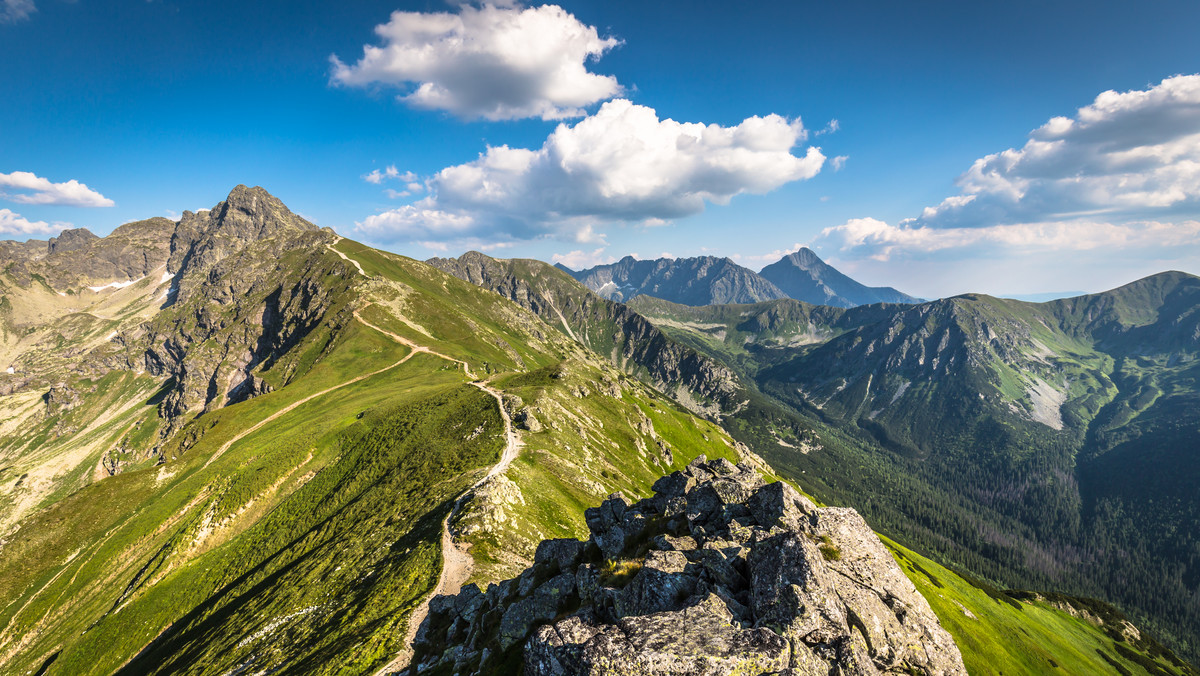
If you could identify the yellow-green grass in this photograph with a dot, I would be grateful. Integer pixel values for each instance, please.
(999, 634)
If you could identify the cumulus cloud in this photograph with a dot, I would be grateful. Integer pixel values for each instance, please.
(32, 189)
(1123, 173)
(581, 260)
(494, 62)
(1127, 154)
(875, 239)
(15, 224)
(622, 164)
(12, 11)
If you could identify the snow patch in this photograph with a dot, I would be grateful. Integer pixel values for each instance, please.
(10, 370)
(165, 277)
(115, 285)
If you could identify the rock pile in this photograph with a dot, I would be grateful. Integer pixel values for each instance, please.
(718, 573)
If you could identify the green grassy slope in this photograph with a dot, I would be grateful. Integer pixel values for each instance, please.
(1022, 633)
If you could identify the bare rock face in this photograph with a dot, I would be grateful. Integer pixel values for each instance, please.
(718, 573)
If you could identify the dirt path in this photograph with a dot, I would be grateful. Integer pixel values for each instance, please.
(290, 407)
(344, 256)
(457, 563)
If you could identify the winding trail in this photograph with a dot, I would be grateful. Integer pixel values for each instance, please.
(457, 563)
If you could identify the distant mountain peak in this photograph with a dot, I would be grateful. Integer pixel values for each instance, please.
(804, 276)
(701, 280)
(718, 280)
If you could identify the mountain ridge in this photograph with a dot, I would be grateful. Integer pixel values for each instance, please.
(711, 280)
(804, 276)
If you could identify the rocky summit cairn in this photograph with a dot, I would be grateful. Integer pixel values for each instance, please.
(718, 573)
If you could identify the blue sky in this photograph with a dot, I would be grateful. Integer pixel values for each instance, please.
(975, 148)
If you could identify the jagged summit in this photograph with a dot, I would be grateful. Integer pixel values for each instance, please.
(246, 215)
(70, 240)
(703, 280)
(804, 276)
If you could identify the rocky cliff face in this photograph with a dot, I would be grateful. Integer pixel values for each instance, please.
(77, 258)
(251, 279)
(717, 573)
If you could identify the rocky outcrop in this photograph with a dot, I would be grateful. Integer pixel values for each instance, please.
(717, 573)
(251, 280)
(77, 258)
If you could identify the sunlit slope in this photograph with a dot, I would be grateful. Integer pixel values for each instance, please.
(1025, 633)
(307, 541)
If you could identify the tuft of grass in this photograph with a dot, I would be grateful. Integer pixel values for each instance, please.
(618, 573)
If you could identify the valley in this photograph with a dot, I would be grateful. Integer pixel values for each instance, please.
(284, 445)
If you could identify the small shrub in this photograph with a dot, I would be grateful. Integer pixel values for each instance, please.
(831, 553)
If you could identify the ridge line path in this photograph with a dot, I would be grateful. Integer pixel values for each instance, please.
(344, 256)
(456, 560)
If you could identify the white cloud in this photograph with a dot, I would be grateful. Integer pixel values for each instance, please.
(15, 224)
(581, 260)
(875, 239)
(830, 128)
(391, 173)
(494, 62)
(622, 164)
(12, 11)
(37, 190)
(838, 162)
(767, 258)
(396, 194)
(1122, 174)
(1129, 154)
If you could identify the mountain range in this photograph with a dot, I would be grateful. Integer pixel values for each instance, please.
(1049, 443)
(239, 443)
(708, 280)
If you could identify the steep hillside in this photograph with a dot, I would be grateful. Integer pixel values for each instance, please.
(804, 276)
(1044, 445)
(302, 526)
(607, 328)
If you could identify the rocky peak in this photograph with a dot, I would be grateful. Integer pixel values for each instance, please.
(70, 240)
(247, 215)
(717, 573)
